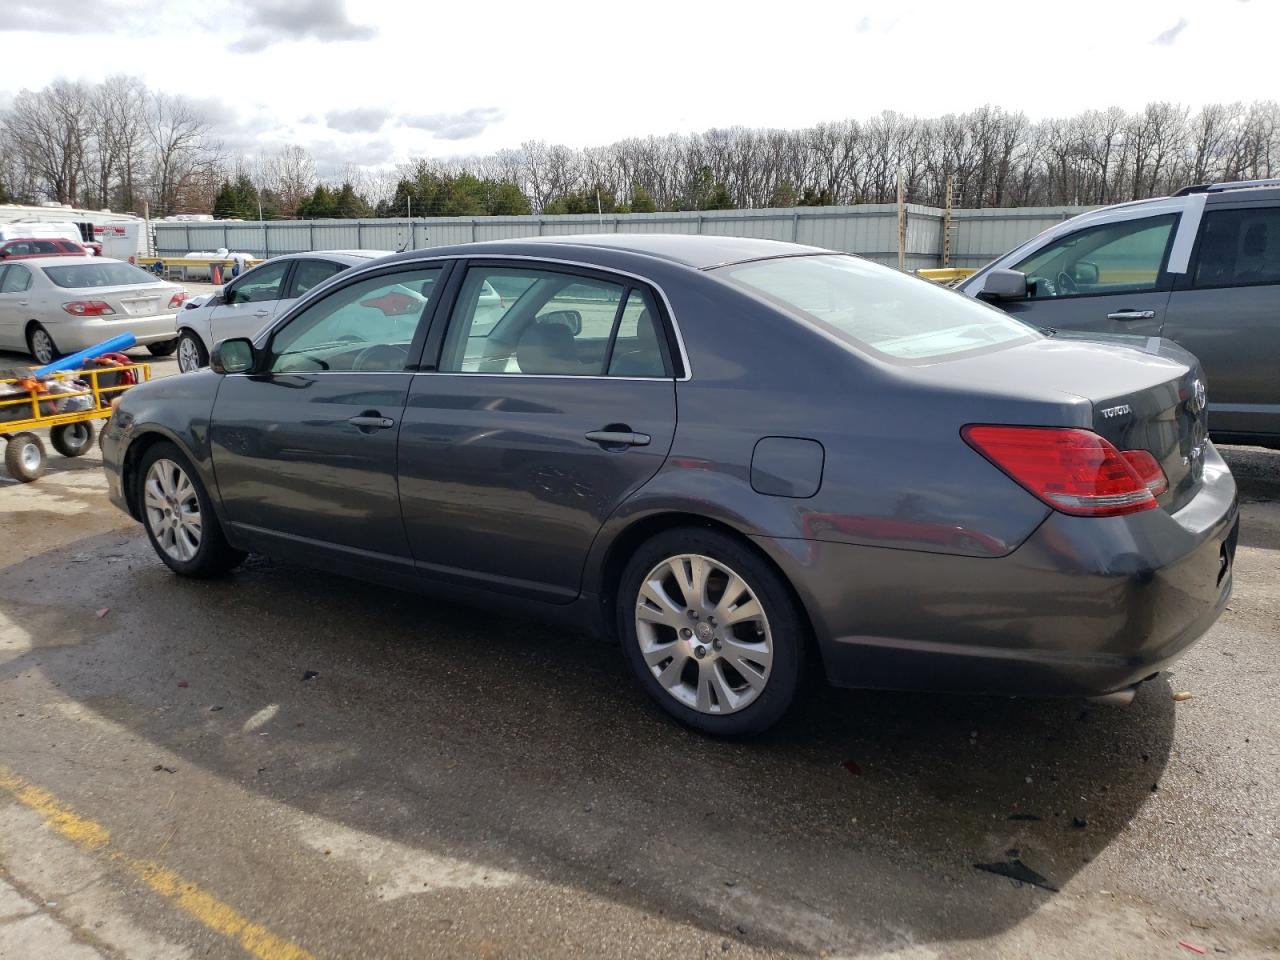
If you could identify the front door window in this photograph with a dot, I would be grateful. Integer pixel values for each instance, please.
(1123, 257)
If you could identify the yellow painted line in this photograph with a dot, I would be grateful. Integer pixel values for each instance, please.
(219, 917)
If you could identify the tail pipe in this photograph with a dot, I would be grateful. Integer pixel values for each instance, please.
(1117, 698)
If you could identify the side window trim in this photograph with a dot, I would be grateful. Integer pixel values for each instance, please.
(443, 316)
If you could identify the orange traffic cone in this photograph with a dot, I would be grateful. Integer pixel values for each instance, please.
(215, 274)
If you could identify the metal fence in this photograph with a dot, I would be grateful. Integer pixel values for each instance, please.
(977, 236)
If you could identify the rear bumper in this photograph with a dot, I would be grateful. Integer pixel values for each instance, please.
(1085, 606)
(84, 333)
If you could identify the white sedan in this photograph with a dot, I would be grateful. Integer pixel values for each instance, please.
(55, 305)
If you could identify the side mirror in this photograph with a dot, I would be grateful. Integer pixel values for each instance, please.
(565, 318)
(232, 356)
(1004, 285)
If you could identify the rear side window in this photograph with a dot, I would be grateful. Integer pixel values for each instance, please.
(1239, 248)
(1123, 257)
(878, 309)
(47, 246)
(15, 279)
(81, 276)
(308, 273)
(510, 320)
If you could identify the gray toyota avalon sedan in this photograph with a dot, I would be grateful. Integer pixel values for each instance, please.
(730, 455)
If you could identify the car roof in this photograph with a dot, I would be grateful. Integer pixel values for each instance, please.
(691, 250)
(350, 257)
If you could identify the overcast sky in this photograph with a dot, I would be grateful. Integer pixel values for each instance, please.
(377, 83)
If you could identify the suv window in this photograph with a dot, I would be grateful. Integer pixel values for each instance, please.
(1238, 248)
(1123, 257)
(543, 322)
(309, 273)
(367, 326)
(15, 279)
(258, 285)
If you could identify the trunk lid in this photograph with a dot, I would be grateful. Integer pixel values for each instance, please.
(1168, 419)
(1139, 393)
(140, 300)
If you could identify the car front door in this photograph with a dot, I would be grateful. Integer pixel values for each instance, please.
(304, 447)
(1109, 278)
(535, 424)
(1226, 311)
(249, 303)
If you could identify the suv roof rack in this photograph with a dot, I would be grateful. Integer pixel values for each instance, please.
(1232, 185)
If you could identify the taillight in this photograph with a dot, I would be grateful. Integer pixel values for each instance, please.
(177, 300)
(88, 308)
(1148, 470)
(1074, 471)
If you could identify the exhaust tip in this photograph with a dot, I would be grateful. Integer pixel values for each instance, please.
(1117, 698)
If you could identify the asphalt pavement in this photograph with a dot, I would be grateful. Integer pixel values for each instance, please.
(285, 764)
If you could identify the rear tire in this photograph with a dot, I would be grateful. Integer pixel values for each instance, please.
(72, 439)
(192, 354)
(164, 348)
(40, 344)
(723, 654)
(24, 457)
(179, 517)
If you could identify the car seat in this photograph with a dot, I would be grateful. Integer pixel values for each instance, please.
(641, 357)
(548, 348)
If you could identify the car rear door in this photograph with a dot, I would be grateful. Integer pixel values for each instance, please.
(308, 272)
(529, 428)
(1226, 311)
(249, 303)
(1106, 278)
(304, 448)
(15, 302)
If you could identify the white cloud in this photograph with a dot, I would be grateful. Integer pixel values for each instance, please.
(454, 126)
(1165, 38)
(273, 21)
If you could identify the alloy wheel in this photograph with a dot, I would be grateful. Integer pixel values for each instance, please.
(704, 634)
(42, 346)
(173, 510)
(188, 355)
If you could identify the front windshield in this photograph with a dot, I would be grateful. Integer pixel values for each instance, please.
(878, 309)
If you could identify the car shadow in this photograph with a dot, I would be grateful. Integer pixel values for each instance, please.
(855, 825)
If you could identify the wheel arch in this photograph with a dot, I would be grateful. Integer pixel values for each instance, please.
(640, 530)
(133, 455)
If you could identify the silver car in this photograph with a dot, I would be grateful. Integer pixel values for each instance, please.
(55, 305)
(248, 303)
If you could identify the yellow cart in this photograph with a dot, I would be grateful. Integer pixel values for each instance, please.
(35, 406)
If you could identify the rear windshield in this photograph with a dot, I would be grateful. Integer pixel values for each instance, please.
(878, 309)
(82, 275)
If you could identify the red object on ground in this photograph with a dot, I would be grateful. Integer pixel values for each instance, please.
(1191, 946)
(215, 274)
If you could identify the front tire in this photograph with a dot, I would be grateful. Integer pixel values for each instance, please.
(192, 354)
(711, 631)
(179, 518)
(164, 348)
(40, 344)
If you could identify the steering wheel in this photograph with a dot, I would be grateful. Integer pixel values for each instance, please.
(381, 356)
(1066, 284)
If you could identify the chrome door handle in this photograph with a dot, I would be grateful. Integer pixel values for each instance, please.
(1132, 315)
(260, 313)
(370, 422)
(618, 438)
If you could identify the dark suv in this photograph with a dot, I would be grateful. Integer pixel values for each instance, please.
(1201, 268)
